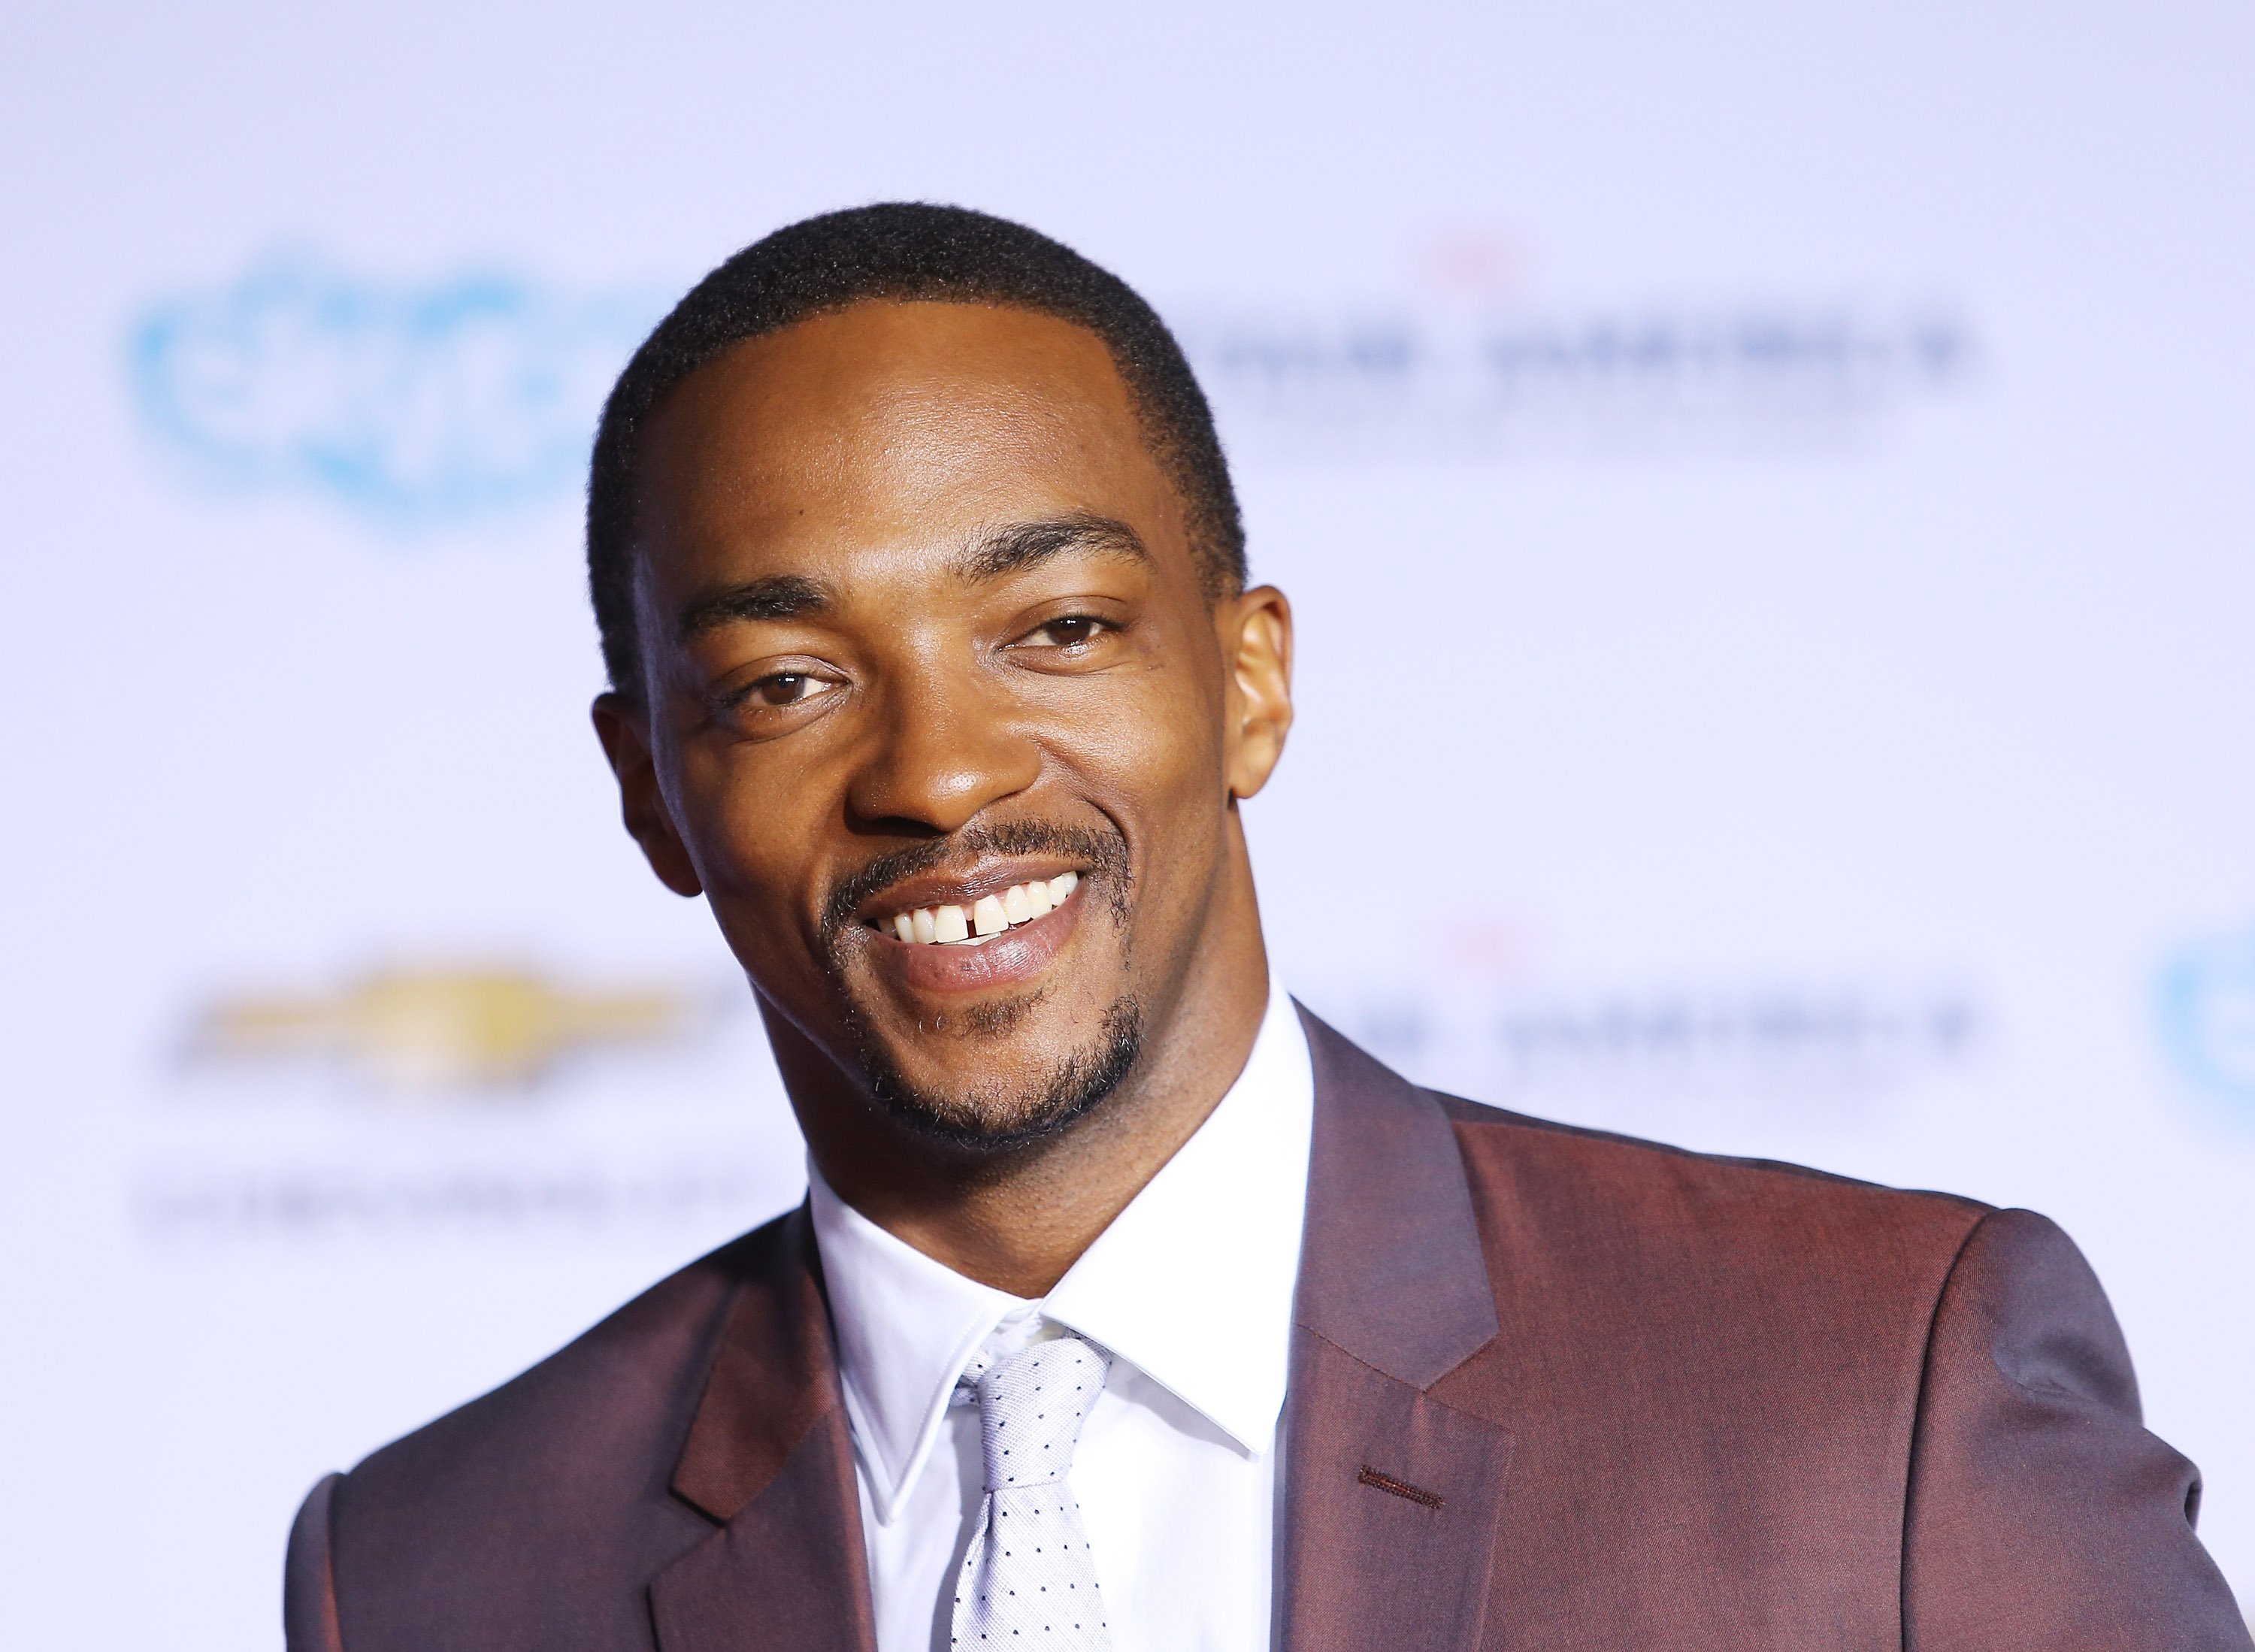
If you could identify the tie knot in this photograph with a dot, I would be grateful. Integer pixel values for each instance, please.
(1032, 1406)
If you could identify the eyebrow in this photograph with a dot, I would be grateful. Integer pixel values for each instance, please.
(1018, 545)
(777, 596)
(1011, 548)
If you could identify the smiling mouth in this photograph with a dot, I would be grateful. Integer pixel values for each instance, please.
(985, 920)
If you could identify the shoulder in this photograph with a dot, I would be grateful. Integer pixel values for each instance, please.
(1630, 1196)
(594, 1391)
(563, 1472)
(1733, 1281)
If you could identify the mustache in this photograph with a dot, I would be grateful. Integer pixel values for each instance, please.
(1103, 854)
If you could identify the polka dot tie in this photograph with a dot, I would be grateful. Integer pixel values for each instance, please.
(1028, 1579)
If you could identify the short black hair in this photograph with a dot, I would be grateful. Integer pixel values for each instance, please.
(904, 252)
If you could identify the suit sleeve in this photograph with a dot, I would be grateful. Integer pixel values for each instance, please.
(2041, 1513)
(309, 1588)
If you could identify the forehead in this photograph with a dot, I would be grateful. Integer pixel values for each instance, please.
(894, 427)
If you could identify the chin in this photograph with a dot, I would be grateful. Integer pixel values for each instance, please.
(975, 1092)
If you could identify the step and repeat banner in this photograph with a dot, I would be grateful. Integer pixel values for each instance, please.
(1766, 497)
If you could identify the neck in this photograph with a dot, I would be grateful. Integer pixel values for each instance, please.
(1017, 1219)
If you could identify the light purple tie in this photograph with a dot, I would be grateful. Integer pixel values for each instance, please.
(1027, 1580)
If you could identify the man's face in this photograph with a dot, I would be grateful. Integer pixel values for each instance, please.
(922, 633)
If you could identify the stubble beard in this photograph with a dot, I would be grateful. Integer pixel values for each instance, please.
(996, 1119)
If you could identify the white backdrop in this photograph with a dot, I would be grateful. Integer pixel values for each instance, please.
(1765, 487)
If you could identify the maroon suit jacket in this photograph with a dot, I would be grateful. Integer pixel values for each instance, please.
(1550, 1389)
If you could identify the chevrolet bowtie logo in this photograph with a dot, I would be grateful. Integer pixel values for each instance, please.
(447, 1027)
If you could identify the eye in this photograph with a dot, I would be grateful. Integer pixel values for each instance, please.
(777, 690)
(1070, 631)
(786, 688)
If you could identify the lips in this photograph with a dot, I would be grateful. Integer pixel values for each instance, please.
(990, 928)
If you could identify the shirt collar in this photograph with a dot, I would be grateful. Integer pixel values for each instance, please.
(906, 1327)
(1191, 1283)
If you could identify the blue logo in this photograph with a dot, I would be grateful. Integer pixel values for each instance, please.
(412, 404)
(2208, 1016)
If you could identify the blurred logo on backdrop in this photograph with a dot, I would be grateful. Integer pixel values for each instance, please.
(1471, 361)
(1679, 1055)
(2207, 1014)
(426, 403)
(1815, 1048)
(446, 1030)
(414, 403)
(421, 1075)
(1506, 380)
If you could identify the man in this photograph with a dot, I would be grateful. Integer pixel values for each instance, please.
(1131, 1307)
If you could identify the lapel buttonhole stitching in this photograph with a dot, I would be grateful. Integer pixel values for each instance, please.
(1417, 1495)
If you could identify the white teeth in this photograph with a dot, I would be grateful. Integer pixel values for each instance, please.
(990, 914)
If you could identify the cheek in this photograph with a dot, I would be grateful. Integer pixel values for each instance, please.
(1156, 745)
(751, 823)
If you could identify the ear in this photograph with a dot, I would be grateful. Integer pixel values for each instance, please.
(624, 730)
(1255, 631)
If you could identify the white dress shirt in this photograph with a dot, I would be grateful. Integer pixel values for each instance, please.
(1189, 1292)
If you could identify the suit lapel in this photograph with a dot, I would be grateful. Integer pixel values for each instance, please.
(1392, 1500)
(771, 1461)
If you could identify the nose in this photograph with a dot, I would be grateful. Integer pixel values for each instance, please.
(947, 742)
